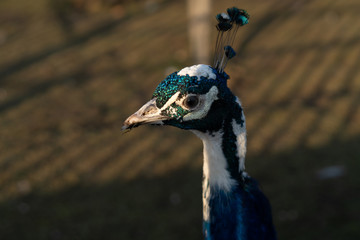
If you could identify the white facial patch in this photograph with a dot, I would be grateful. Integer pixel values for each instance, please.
(206, 101)
(200, 70)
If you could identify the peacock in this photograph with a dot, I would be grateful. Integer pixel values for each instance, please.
(198, 99)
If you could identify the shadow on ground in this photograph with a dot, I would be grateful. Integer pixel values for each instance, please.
(169, 207)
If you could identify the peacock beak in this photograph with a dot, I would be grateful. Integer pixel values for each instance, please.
(147, 114)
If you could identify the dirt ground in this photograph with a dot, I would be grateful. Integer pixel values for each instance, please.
(71, 74)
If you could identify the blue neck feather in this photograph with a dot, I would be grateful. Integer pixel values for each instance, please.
(241, 214)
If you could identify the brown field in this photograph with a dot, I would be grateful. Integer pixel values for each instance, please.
(69, 76)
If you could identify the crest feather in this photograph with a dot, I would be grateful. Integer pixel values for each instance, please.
(228, 24)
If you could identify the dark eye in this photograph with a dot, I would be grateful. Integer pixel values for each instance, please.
(191, 101)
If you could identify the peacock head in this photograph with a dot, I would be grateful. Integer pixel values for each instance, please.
(194, 98)
(197, 97)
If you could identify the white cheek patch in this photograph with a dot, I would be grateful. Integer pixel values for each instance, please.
(206, 101)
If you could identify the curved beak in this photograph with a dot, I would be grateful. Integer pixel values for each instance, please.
(147, 114)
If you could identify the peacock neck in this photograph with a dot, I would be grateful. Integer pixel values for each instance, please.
(223, 168)
(224, 154)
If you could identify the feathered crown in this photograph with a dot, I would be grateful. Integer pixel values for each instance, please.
(228, 24)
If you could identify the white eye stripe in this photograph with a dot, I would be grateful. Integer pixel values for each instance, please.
(170, 101)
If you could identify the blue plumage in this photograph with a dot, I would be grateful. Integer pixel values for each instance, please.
(197, 98)
(244, 213)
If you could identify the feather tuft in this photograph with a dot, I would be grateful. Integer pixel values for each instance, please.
(228, 24)
(242, 18)
(224, 22)
(233, 13)
(229, 52)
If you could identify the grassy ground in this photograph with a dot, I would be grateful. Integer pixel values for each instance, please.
(66, 85)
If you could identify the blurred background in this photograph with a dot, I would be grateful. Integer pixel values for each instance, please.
(71, 71)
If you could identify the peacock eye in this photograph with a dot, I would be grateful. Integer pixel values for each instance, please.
(191, 101)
